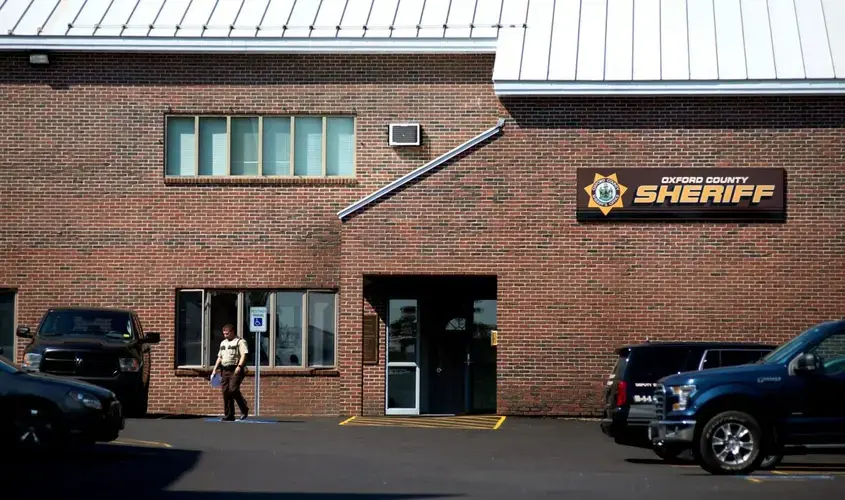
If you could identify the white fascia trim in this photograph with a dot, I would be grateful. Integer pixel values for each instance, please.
(735, 87)
(258, 45)
(421, 170)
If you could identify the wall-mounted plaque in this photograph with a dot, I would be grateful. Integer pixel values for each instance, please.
(370, 339)
(667, 194)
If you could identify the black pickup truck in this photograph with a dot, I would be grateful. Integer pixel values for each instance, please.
(102, 346)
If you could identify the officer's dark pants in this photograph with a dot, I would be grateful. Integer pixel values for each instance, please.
(231, 386)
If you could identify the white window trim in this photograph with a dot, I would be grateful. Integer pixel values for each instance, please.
(271, 318)
(291, 174)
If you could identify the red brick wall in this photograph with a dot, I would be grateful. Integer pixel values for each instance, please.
(88, 219)
(569, 293)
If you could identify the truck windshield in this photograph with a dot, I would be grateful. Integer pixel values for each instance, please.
(785, 351)
(112, 324)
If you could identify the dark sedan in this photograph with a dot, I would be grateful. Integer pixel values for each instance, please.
(42, 411)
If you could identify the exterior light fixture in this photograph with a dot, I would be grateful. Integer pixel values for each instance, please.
(39, 59)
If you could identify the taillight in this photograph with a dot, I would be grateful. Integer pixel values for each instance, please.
(621, 393)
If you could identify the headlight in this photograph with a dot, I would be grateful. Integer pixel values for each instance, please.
(682, 393)
(85, 400)
(31, 361)
(129, 365)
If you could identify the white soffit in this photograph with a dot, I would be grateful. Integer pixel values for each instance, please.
(600, 47)
(252, 25)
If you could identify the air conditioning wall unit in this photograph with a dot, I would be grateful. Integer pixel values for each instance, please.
(404, 134)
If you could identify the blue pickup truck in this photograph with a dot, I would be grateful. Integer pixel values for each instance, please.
(790, 402)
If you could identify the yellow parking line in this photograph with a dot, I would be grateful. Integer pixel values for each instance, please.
(753, 479)
(141, 442)
(420, 423)
(347, 420)
(492, 422)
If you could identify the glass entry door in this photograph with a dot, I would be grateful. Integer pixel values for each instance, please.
(402, 387)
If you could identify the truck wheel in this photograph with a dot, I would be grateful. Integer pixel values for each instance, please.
(771, 462)
(730, 443)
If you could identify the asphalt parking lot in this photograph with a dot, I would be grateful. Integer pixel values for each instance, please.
(188, 459)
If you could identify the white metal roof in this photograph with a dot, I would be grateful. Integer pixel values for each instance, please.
(672, 46)
(244, 25)
(541, 46)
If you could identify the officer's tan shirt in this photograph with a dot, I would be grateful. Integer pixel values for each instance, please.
(229, 354)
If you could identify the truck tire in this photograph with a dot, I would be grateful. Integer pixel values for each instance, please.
(730, 444)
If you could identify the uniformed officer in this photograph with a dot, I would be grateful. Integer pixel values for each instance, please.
(230, 359)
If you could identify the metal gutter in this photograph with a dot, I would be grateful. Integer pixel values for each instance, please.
(421, 170)
(256, 45)
(710, 87)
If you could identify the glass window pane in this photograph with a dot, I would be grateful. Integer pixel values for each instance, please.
(321, 329)
(276, 146)
(7, 324)
(403, 331)
(256, 299)
(189, 328)
(213, 146)
(402, 387)
(223, 310)
(483, 355)
(244, 146)
(712, 360)
(308, 150)
(733, 358)
(181, 146)
(340, 146)
(289, 328)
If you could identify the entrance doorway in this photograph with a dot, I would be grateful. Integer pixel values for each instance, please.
(7, 323)
(441, 354)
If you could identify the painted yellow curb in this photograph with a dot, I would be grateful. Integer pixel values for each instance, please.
(347, 420)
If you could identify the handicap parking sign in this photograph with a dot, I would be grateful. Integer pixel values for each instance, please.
(258, 319)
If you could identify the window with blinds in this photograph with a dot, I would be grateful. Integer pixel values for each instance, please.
(260, 146)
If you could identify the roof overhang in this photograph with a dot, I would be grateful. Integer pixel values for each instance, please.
(251, 45)
(723, 87)
(405, 179)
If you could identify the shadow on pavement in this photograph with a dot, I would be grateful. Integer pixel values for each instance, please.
(100, 470)
(135, 472)
(657, 461)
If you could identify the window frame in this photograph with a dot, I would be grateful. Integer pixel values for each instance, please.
(260, 175)
(720, 350)
(243, 314)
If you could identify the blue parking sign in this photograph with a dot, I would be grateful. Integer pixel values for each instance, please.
(258, 319)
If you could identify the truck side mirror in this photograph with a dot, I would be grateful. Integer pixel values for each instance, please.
(152, 338)
(23, 331)
(807, 363)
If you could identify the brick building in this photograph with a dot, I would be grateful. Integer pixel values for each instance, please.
(192, 160)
